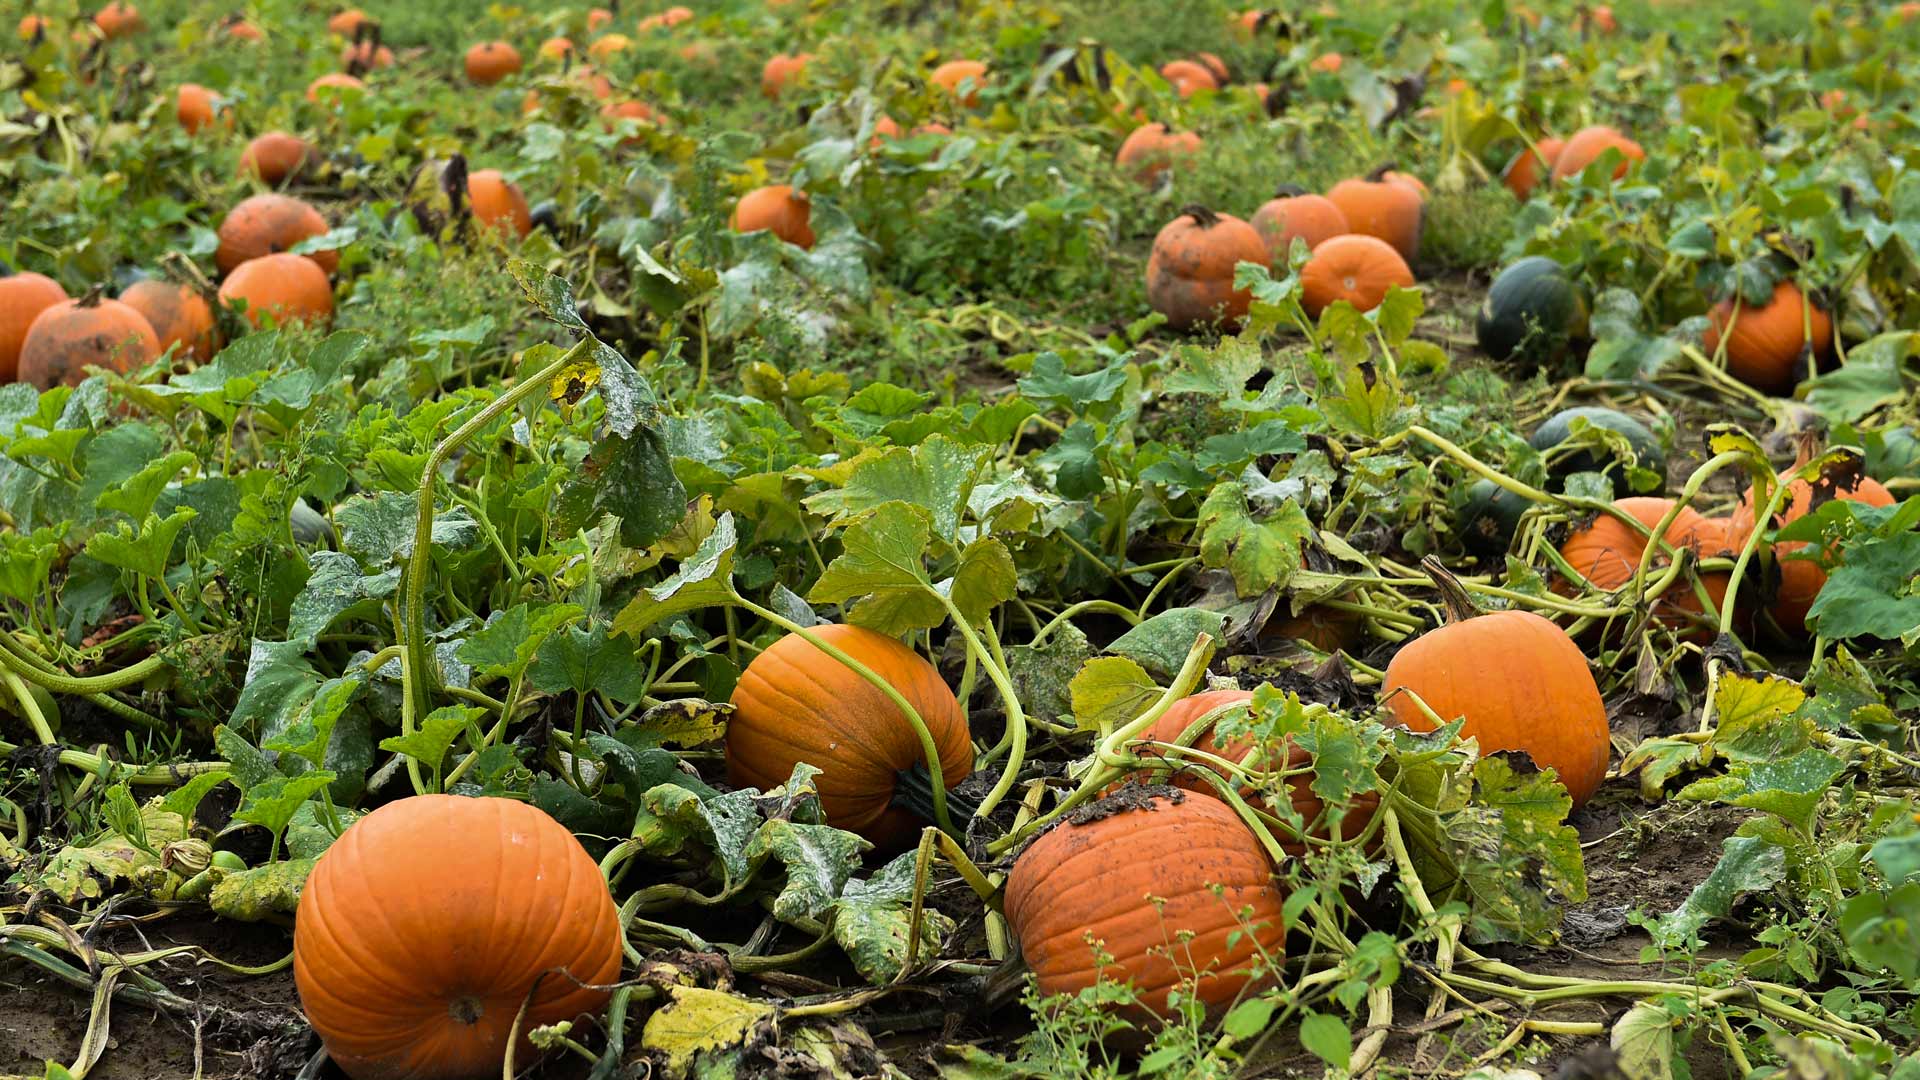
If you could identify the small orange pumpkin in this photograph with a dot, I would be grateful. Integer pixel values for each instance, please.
(1328, 63)
(331, 83)
(33, 27)
(119, 19)
(1586, 146)
(607, 45)
(1355, 268)
(268, 223)
(779, 209)
(498, 203)
(1388, 208)
(1216, 66)
(276, 157)
(556, 48)
(1188, 77)
(1607, 552)
(347, 23)
(954, 74)
(239, 29)
(615, 111)
(368, 55)
(437, 926)
(1292, 213)
(1530, 166)
(73, 335)
(1765, 344)
(23, 297)
(195, 107)
(491, 61)
(178, 314)
(1151, 150)
(1190, 272)
(291, 288)
(599, 17)
(783, 72)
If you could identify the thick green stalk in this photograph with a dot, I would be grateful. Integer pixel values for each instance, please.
(15, 658)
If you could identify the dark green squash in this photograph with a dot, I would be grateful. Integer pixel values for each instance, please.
(1559, 427)
(1488, 520)
(1532, 311)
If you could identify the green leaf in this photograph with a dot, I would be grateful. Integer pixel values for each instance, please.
(1643, 1044)
(550, 294)
(334, 587)
(705, 579)
(1260, 555)
(818, 860)
(1109, 692)
(1230, 452)
(1161, 643)
(250, 766)
(724, 824)
(1048, 382)
(1221, 372)
(1872, 593)
(271, 803)
(880, 568)
(1790, 788)
(1075, 461)
(1041, 674)
(279, 682)
(1748, 864)
(935, 476)
(1882, 930)
(873, 922)
(683, 722)
(135, 495)
(1513, 845)
(582, 659)
(1326, 1037)
(377, 528)
(428, 744)
(146, 552)
(631, 478)
(1398, 313)
(1757, 717)
(506, 645)
(983, 580)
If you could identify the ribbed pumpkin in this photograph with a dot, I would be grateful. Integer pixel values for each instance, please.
(498, 203)
(1607, 551)
(954, 74)
(1151, 149)
(178, 314)
(779, 209)
(73, 335)
(1530, 166)
(264, 224)
(1299, 788)
(1190, 272)
(1765, 344)
(1519, 680)
(239, 29)
(1800, 579)
(1188, 77)
(491, 61)
(1178, 892)
(290, 287)
(1292, 213)
(781, 72)
(425, 927)
(275, 157)
(1585, 147)
(1355, 268)
(331, 84)
(23, 297)
(796, 703)
(1389, 209)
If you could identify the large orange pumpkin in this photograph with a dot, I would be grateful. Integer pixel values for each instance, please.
(1177, 892)
(1387, 208)
(1530, 166)
(73, 335)
(491, 61)
(781, 72)
(276, 157)
(264, 224)
(1520, 682)
(1765, 344)
(1188, 77)
(178, 314)
(1151, 149)
(1586, 146)
(954, 74)
(779, 209)
(1299, 787)
(1190, 272)
(1801, 580)
(23, 297)
(1355, 268)
(424, 929)
(498, 203)
(290, 287)
(796, 703)
(1312, 218)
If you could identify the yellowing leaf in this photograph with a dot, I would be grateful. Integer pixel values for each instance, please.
(700, 1021)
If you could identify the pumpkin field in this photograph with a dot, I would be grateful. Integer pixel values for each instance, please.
(959, 539)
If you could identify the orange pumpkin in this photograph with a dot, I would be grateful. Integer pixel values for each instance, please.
(1765, 344)
(368, 55)
(348, 22)
(607, 45)
(1389, 209)
(1314, 219)
(268, 223)
(955, 74)
(1530, 166)
(239, 29)
(73, 335)
(1190, 272)
(599, 17)
(556, 48)
(1151, 150)
(1327, 629)
(1607, 552)
(1355, 268)
(796, 703)
(291, 288)
(491, 61)
(1216, 66)
(1600, 16)
(1177, 892)
(194, 106)
(782, 72)
(424, 930)
(1800, 579)
(1519, 680)
(613, 112)
(23, 297)
(498, 203)
(331, 83)
(119, 19)
(779, 209)
(276, 157)
(33, 27)
(178, 314)
(1328, 63)
(884, 129)
(1188, 77)
(1586, 146)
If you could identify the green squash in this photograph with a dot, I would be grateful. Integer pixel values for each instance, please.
(1489, 519)
(1532, 312)
(1559, 427)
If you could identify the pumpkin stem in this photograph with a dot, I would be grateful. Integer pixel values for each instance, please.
(913, 792)
(180, 268)
(1202, 216)
(93, 297)
(1807, 446)
(1288, 191)
(1460, 607)
(1379, 174)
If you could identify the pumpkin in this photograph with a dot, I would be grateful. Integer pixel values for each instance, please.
(1309, 806)
(1557, 428)
(119, 19)
(885, 129)
(1216, 66)
(276, 157)
(1489, 517)
(491, 61)
(779, 209)
(556, 48)
(612, 113)
(1532, 312)
(292, 288)
(1585, 147)
(34, 27)
(795, 703)
(1530, 166)
(368, 55)
(598, 17)
(333, 84)
(268, 223)
(1151, 150)
(1291, 213)
(179, 315)
(1600, 17)
(348, 22)
(1188, 78)
(1391, 210)
(1519, 681)
(781, 72)
(195, 107)
(932, 128)
(1765, 344)
(498, 203)
(23, 297)
(1176, 890)
(1800, 579)
(1606, 551)
(961, 78)
(1190, 272)
(239, 29)
(68, 337)
(1327, 629)
(1355, 268)
(608, 45)
(1328, 63)
(425, 928)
